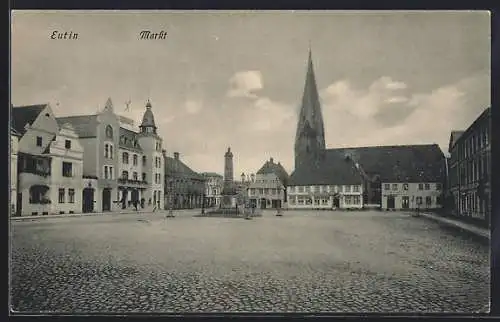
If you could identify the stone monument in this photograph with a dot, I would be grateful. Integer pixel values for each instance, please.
(228, 190)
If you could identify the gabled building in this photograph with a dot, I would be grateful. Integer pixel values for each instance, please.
(268, 188)
(120, 165)
(469, 169)
(388, 177)
(184, 188)
(50, 159)
(214, 183)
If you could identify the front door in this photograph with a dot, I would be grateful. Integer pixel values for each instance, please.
(263, 203)
(135, 195)
(336, 202)
(390, 202)
(106, 199)
(88, 200)
(406, 202)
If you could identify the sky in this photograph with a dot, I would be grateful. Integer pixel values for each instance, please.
(235, 78)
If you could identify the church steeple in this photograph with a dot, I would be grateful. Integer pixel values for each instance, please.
(310, 135)
(148, 120)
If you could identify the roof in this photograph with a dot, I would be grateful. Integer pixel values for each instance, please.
(128, 140)
(176, 168)
(455, 135)
(148, 118)
(486, 114)
(14, 132)
(85, 125)
(276, 168)
(22, 115)
(403, 163)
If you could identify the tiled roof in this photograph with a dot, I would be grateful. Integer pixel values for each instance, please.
(485, 115)
(85, 125)
(176, 168)
(333, 170)
(128, 140)
(404, 163)
(22, 115)
(276, 168)
(14, 132)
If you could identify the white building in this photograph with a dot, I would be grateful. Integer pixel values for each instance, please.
(411, 195)
(120, 165)
(268, 188)
(49, 163)
(334, 196)
(14, 147)
(213, 187)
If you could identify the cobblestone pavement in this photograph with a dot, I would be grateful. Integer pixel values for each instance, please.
(301, 262)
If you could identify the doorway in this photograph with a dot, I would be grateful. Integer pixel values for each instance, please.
(336, 202)
(263, 203)
(88, 200)
(106, 199)
(19, 204)
(390, 202)
(406, 202)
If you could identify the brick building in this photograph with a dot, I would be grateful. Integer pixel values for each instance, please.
(268, 188)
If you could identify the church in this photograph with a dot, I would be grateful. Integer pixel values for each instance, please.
(382, 177)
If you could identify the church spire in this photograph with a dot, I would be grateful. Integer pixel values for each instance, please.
(310, 135)
(148, 120)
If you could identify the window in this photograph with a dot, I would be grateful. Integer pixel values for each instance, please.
(428, 200)
(125, 175)
(159, 162)
(419, 200)
(67, 169)
(134, 176)
(261, 191)
(347, 200)
(292, 200)
(125, 157)
(143, 160)
(307, 188)
(143, 176)
(316, 202)
(300, 200)
(420, 186)
(356, 200)
(273, 191)
(427, 186)
(301, 189)
(324, 201)
(61, 195)
(105, 172)
(394, 186)
(387, 186)
(106, 152)
(316, 189)
(135, 159)
(292, 189)
(355, 188)
(109, 132)
(111, 176)
(405, 186)
(38, 141)
(71, 195)
(67, 144)
(110, 151)
(347, 188)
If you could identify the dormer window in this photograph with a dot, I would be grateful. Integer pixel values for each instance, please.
(38, 141)
(47, 114)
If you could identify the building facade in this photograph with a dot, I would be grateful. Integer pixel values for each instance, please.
(113, 155)
(268, 188)
(214, 183)
(412, 195)
(184, 188)
(50, 163)
(333, 196)
(14, 148)
(469, 169)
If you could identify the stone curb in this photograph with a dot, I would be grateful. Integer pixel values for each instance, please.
(478, 231)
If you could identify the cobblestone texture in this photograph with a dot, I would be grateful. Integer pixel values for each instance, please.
(301, 262)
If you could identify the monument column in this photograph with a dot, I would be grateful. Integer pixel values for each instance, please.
(228, 179)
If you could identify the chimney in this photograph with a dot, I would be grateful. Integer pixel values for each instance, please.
(176, 155)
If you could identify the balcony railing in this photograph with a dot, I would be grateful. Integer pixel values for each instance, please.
(38, 172)
(130, 181)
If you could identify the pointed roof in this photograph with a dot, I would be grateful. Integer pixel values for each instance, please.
(109, 104)
(85, 126)
(271, 167)
(310, 110)
(22, 115)
(455, 135)
(148, 120)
